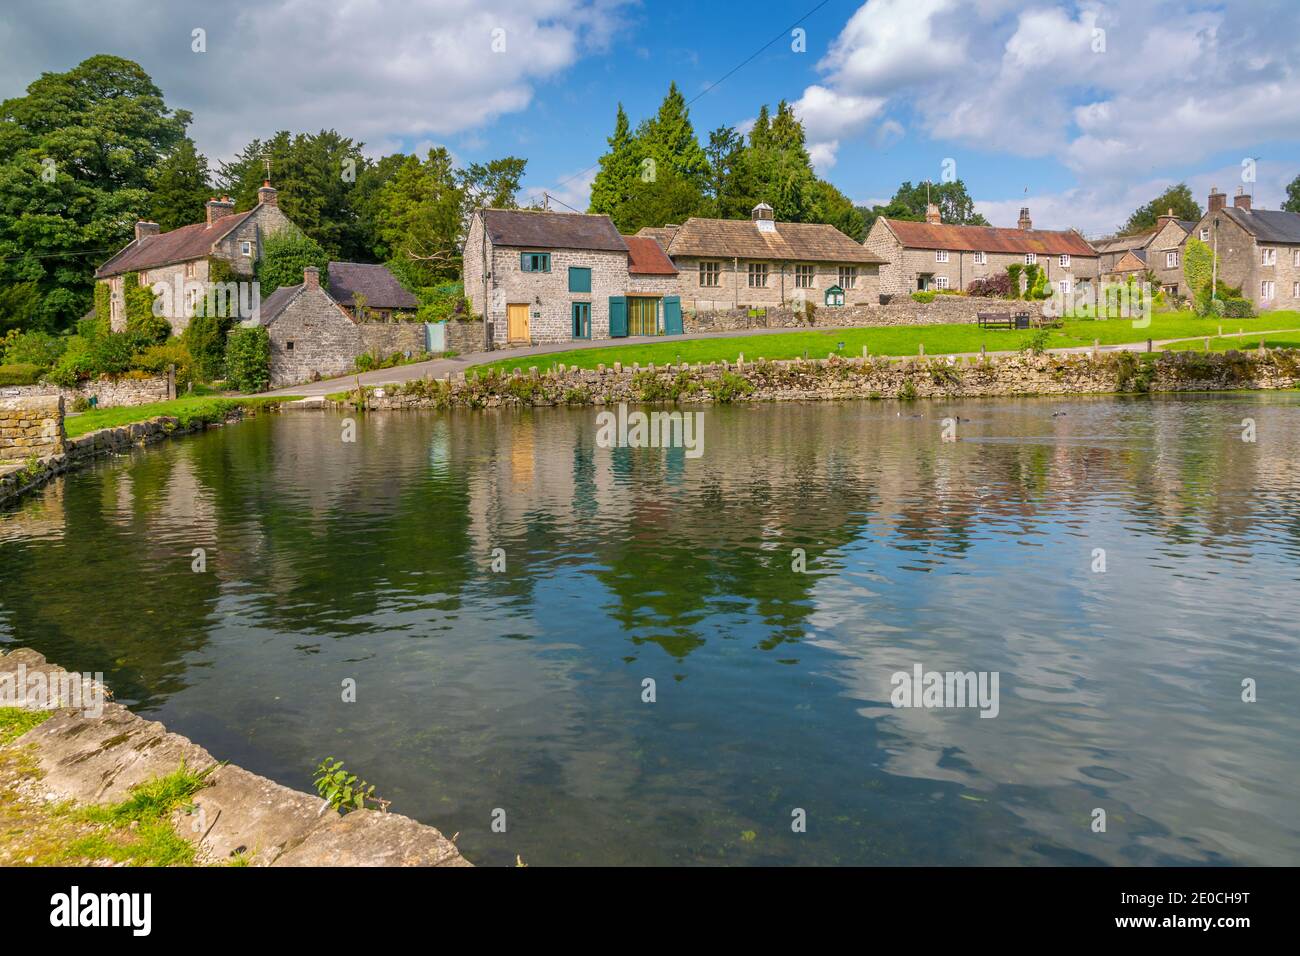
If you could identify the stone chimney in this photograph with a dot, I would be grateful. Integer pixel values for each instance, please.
(143, 229)
(1025, 222)
(267, 194)
(1242, 199)
(932, 215)
(1217, 199)
(311, 277)
(220, 208)
(1162, 221)
(764, 218)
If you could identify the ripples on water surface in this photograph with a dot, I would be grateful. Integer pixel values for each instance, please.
(522, 690)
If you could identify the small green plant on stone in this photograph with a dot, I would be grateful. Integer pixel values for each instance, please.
(577, 396)
(908, 392)
(1037, 343)
(729, 386)
(342, 790)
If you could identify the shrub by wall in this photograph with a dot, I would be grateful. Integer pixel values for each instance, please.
(248, 359)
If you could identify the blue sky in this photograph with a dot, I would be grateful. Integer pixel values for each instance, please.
(1081, 110)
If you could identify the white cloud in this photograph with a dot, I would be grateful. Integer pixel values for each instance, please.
(377, 71)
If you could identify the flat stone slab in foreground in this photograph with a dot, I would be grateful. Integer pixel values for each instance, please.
(97, 759)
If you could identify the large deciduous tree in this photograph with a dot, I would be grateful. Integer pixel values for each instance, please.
(1176, 199)
(78, 153)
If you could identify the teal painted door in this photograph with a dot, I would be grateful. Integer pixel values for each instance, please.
(672, 315)
(582, 320)
(617, 316)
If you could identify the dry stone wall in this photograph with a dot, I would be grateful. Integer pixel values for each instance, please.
(107, 392)
(31, 427)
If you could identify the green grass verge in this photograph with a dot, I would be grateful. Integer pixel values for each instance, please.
(1242, 343)
(16, 721)
(189, 411)
(892, 341)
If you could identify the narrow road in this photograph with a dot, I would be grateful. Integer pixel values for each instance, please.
(437, 368)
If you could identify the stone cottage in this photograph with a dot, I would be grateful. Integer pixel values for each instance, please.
(1158, 250)
(182, 258)
(728, 264)
(545, 276)
(312, 336)
(938, 255)
(370, 292)
(1257, 249)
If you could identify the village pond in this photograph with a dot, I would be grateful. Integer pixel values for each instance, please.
(647, 657)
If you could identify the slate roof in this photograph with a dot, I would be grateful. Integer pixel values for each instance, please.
(1134, 240)
(924, 235)
(1266, 225)
(379, 286)
(790, 242)
(660, 234)
(277, 302)
(645, 256)
(531, 229)
(178, 245)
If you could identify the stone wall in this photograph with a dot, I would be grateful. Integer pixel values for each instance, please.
(463, 337)
(385, 338)
(312, 338)
(838, 378)
(901, 310)
(108, 392)
(31, 427)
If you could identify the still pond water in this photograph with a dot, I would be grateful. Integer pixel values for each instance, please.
(523, 689)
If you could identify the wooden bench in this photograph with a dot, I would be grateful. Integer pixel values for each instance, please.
(996, 320)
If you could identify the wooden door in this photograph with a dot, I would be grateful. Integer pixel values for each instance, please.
(517, 322)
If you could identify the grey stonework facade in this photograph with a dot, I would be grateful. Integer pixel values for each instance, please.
(1257, 250)
(544, 294)
(912, 269)
(726, 284)
(1165, 257)
(311, 335)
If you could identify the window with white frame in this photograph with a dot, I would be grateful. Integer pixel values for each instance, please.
(189, 270)
(709, 273)
(803, 277)
(1065, 262)
(1266, 290)
(246, 248)
(1295, 258)
(941, 282)
(1295, 290)
(1031, 258)
(1171, 259)
(1064, 286)
(848, 277)
(1268, 257)
(941, 255)
(1205, 235)
(757, 275)
(981, 258)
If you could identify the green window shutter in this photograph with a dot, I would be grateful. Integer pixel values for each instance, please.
(617, 317)
(672, 315)
(579, 279)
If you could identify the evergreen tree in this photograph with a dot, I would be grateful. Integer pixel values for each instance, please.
(180, 188)
(620, 168)
(670, 140)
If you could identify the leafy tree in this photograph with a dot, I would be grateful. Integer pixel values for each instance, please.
(724, 184)
(20, 306)
(493, 184)
(1292, 203)
(421, 218)
(77, 155)
(316, 176)
(248, 358)
(1177, 198)
(619, 169)
(956, 207)
(180, 188)
(831, 206)
(284, 257)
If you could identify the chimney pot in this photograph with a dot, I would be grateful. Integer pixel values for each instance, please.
(1217, 199)
(1025, 222)
(932, 214)
(267, 195)
(219, 208)
(1242, 199)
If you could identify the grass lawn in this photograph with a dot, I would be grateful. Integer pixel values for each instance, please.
(1274, 340)
(894, 341)
(189, 410)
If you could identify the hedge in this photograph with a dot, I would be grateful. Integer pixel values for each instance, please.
(20, 374)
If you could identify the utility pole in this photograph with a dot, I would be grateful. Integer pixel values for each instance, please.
(546, 200)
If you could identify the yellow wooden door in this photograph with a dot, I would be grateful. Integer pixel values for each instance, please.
(517, 322)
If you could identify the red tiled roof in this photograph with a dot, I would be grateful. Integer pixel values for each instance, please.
(179, 245)
(646, 257)
(924, 235)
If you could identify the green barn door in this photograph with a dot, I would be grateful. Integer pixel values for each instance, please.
(617, 317)
(672, 315)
